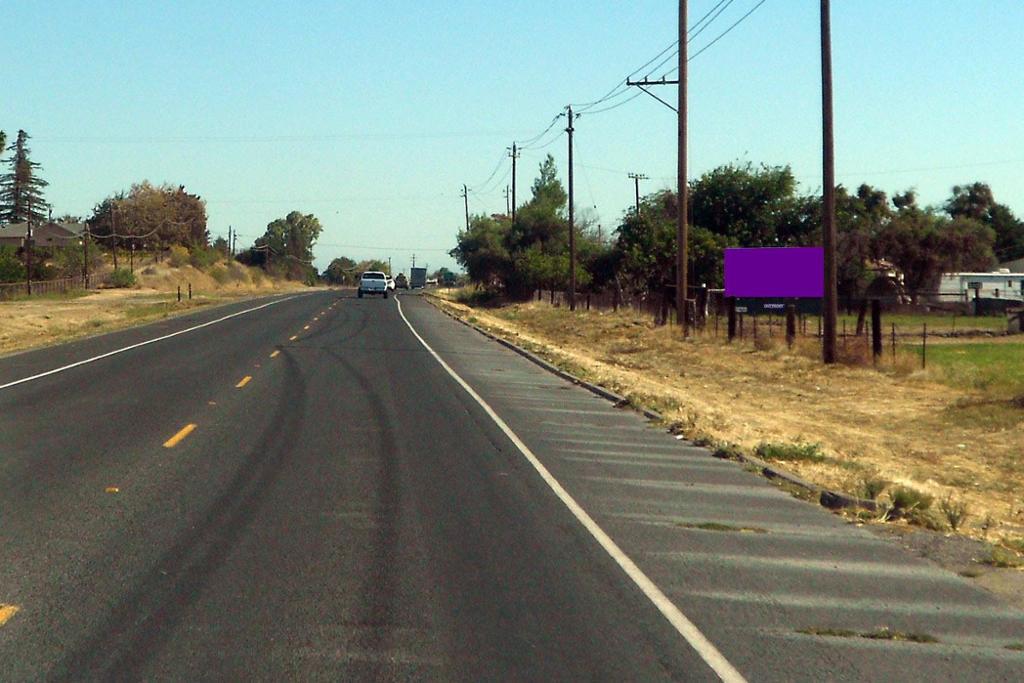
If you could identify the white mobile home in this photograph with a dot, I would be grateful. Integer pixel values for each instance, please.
(1000, 284)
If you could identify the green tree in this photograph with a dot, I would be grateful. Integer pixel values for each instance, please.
(923, 244)
(481, 251)
(151, 216)
(287, 245)
(341, 271)
(21, 189)
(751, 207)
(977, 202)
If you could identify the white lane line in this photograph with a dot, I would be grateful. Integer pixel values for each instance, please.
(686, 628)
(143, 343)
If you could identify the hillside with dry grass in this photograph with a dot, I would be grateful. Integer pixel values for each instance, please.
(51, 319)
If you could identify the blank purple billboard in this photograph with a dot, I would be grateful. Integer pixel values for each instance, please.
(775, 272)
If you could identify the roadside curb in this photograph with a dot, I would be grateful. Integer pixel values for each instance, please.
(833, 500)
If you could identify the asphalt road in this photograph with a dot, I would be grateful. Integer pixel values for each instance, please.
(306, 492)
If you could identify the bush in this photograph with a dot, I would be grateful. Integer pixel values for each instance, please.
(120, 278)
(178, 256)
(11, 267)
(907, 502)
(220, 274)
(872, 487)
(204, 257)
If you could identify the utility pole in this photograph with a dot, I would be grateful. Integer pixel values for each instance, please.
(515, 155)
(113, 231)
(507, 210)
(85, 256)
(572, 225)
(637, 177)
(389, 266)
(682, 226)
(828, 346)
(465, 197)
(682, 220)
(28, 250)
(231, 248)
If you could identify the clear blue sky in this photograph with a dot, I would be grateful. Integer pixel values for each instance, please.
(372, 114)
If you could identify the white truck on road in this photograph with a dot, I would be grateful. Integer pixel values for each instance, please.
(373, 282)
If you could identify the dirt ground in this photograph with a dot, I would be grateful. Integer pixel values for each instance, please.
(41, 321)
(902, 425)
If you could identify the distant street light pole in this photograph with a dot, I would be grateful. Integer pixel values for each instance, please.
(828, 346)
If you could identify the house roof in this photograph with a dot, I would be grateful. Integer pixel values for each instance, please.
(44, 232)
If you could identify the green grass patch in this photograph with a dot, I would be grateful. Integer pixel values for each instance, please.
(907, 323)
(1003, 558)
(994, 367)
(790, 452)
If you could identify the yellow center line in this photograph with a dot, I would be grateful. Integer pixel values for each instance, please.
(242, 382)
(275, 353)
(306, 327)
(6, 612)
(316, 319)
(293, 337)
(174, 440)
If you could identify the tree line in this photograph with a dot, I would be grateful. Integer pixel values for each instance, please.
(738, 205)
(146, 217)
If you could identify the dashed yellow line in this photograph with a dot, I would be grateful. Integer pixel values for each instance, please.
(275, 353)
(316, 319)
(242, 382)
(293, 337)
(176, 439)
(6, 612)
(306, 327)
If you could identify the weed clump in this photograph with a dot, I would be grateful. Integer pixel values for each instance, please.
(790, 452)
(955, 511)
(905, 500)
(872, 487)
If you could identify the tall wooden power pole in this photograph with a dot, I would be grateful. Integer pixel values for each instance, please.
(572, 225)
(828, 345)
(637, 177)
(515, 155)
(682, 228)
(465, 196)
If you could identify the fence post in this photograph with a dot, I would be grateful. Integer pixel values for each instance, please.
(179, 294)
(894, 344)
(790, 325)
(190, 291)
(924, 344)
(588, 301)
(876, 329)
(731, 312)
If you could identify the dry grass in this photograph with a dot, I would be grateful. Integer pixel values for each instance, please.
(42, 321)
(901, 426)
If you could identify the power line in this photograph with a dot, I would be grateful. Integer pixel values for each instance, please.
(726, 31)
(525, 143)
(501, 161)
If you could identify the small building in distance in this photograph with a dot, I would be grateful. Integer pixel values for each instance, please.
(47, 234)
(993, 292)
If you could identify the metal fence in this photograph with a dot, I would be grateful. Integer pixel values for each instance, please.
(13, 290)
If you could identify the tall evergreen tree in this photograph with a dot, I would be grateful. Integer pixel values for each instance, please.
(21, 189)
